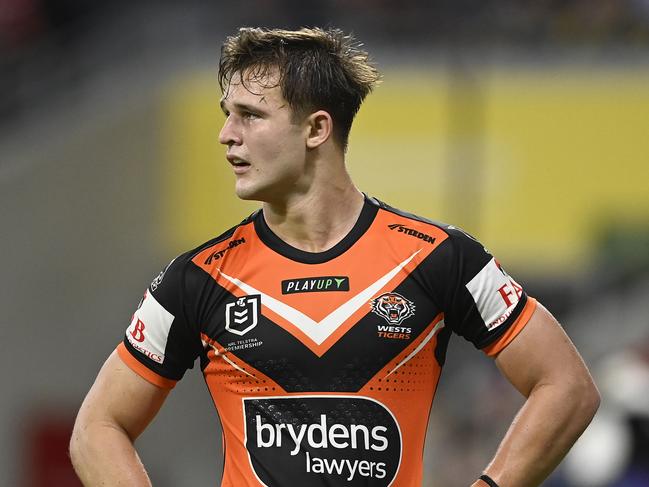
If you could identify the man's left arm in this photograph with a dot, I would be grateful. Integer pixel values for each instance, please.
(544, 365)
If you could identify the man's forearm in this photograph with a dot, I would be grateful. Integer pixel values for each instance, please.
(104, 455)
(543, 431)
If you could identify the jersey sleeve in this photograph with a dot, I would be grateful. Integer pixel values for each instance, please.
(483, 304)
(163, 338)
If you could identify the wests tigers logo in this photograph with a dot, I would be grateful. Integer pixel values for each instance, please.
(393, 307)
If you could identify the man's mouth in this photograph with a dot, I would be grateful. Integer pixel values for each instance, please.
(239, 165)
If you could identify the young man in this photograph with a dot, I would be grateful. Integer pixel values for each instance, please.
(321, 321)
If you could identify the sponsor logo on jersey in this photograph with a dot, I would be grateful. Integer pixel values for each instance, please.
(158, 280)
(319, 331)
(393, 307)
(412, 232)
(495, 294)
(301, 440)
(243, 344)
(219, 253)
(315, 284)
(242, 315)
(149, 328)
(138, 331)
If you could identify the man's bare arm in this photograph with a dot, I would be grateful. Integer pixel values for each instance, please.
(118, 407)
(543, 364)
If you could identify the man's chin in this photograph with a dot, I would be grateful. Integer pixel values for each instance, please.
(247, 194)
(266, 194)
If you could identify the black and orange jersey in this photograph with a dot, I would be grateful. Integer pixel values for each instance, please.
(323, 366)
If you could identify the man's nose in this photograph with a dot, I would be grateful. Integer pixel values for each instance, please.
(229, 135)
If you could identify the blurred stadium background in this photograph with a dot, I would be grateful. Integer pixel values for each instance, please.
(525, 122)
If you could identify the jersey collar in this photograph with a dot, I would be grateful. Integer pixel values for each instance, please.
(271, 240)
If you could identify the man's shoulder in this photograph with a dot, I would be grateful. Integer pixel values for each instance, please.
(221, 243)
(403, 217)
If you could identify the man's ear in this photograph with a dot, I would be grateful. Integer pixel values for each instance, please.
(320, 128)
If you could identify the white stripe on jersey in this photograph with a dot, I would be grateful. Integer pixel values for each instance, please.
(149, 329)
(495, 294)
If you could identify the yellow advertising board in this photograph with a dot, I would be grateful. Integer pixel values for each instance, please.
(532, 161)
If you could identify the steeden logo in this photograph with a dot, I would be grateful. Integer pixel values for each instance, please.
(219, 253)
(315, 284)
(412, 232)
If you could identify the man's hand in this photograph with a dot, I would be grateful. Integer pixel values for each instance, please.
(118, 407)
(543, 364)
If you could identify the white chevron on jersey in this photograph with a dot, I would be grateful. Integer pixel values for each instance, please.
(319, 331)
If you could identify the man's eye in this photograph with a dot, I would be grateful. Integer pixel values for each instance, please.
(249, 115)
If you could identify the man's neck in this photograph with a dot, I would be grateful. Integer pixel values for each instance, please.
(318, 220)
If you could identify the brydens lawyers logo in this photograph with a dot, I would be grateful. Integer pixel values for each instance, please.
(242, 315)
(314, 440)
(393, 307)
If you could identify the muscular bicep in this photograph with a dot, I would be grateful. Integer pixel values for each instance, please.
(121, 398)
(541, 354)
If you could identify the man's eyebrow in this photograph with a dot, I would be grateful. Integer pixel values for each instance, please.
(242, 107)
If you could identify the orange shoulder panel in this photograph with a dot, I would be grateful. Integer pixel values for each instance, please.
(147, 374)
(522, 320)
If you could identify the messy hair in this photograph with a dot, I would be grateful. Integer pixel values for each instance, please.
(317, 70)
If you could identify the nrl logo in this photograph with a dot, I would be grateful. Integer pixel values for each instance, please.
(393, 307)
(242, 315)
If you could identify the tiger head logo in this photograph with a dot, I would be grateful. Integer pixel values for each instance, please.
(393, 307)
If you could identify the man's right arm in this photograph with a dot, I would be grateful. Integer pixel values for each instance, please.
(117, 409)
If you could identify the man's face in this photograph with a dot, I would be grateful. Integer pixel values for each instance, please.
(265, 146)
